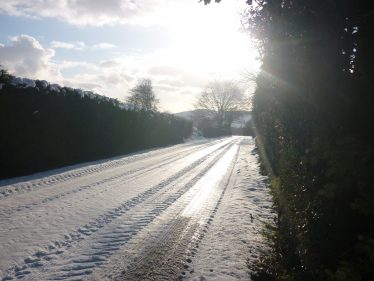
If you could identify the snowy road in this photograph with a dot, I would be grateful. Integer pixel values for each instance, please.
(190, 211)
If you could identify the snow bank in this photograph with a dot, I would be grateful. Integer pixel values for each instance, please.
(234, 239)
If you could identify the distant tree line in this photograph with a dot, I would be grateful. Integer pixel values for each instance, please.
(42, 128)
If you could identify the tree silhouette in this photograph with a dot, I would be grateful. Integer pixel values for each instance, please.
(142, 96)
(4, 75)
(220, 100)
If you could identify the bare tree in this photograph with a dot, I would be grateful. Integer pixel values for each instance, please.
(220, 100)
(142, 96)
(4, 75)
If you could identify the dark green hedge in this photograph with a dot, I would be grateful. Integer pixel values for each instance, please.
(43, 129)
(313, 110)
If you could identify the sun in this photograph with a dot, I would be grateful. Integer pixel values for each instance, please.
(208, 40)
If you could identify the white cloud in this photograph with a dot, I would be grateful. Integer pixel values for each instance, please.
(79, 45)
(72, 64)
(109, 63)
(84, 12)
(164, 70)
(25, 56)
(204, 45)
(114, 77)
(62, 45)
(176, 79)
(103, 46)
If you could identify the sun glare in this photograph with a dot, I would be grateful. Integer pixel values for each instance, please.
(208, 40)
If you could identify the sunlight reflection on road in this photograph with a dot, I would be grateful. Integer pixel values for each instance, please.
(209, 183)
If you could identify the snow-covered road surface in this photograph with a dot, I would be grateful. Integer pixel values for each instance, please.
(181, 212)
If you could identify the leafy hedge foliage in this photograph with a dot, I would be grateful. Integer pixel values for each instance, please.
(313, 109)
(43, 129)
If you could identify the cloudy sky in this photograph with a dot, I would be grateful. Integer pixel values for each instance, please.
(106, 46)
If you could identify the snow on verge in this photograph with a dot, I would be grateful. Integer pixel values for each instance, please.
(234, 239)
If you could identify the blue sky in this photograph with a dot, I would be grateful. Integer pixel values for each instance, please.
(128, 37)
(105, 46)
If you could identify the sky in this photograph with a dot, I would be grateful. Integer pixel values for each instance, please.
(107, 46)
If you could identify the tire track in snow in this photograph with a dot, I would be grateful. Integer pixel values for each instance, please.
(208, 220)
(132, 173)
(233, 240)
(135, 222)
(57, 248)
(7, 189)
(170, 257)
